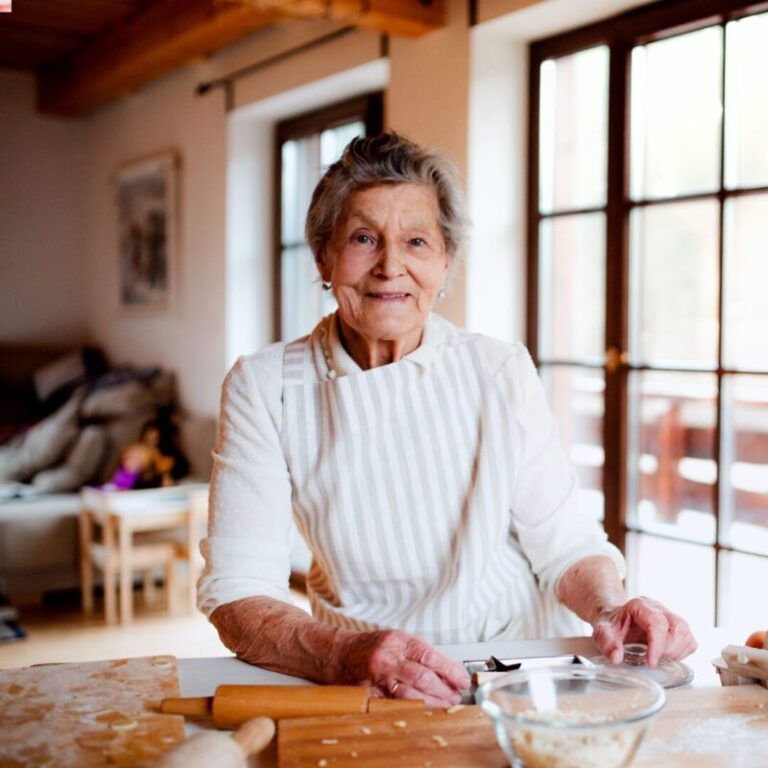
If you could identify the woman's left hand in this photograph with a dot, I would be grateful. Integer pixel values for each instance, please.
(643, 620)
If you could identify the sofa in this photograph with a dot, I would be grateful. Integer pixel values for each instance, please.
(78, 418)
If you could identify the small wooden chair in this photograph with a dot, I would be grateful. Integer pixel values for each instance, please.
(139, 531)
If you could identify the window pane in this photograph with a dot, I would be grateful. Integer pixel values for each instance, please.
(573, 131)
(671, 439)
(333, 141)
(746, 282)
(680, 575)
(576, 396)
(743, 580)
(746, 119)
(674, 284)
(572, 287)
(745, 463)
(303, 301)
(676, 108)
(300, 172)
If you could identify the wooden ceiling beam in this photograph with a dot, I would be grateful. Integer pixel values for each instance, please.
(161, 38)
(410, 18)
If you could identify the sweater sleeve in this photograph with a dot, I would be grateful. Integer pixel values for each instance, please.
(552, 529)
(247, 549)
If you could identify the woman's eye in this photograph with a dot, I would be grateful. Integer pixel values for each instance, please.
(361, 239)
(417, 241)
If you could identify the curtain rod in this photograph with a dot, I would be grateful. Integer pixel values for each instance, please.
(226, 81)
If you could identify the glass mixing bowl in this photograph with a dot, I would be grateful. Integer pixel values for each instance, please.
(570, 717)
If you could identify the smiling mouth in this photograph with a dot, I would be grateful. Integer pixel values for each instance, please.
(388, 296)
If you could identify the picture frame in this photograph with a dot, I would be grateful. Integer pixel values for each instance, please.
(147, 220)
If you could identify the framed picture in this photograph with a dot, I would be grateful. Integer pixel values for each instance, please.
(148, 231)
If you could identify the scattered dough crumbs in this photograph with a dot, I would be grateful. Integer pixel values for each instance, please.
(454, 709)
(399, 723)
(366, 730)
(440, 741)
(329, 741)
(322, 762)
(353, 754)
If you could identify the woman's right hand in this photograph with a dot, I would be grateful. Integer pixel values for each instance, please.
(398, 665)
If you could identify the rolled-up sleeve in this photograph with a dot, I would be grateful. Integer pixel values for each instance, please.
(247, 550)
(553, 531)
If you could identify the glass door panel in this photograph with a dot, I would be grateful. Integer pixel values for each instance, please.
(674, 284)
(576, 396)
(744, 476)
(671, 450)
(746, 120)
(573, 131)
(572, 287)
(572, 181)
(745, 343)
(742, 580)
(682, 400)
(679, 573)
(676, 115)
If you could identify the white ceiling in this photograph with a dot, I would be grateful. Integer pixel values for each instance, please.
(550, 17)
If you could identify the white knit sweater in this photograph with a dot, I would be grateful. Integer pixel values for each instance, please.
(432, 492)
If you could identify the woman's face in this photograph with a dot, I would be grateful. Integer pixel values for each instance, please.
(387, 261)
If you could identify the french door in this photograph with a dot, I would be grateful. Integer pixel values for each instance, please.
(648, 288)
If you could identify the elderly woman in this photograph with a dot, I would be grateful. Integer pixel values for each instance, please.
(420, 463)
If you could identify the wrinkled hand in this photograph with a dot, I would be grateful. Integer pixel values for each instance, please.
(401, 666)
(642, 620)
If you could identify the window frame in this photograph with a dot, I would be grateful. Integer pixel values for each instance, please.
(620, 34)
(368, 108)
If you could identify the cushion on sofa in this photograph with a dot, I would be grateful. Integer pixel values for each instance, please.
(64, 371)
(42, 446)
(80, 466)
(126, 398)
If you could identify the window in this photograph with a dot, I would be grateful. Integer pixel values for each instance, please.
(306, 146)
(648, 288)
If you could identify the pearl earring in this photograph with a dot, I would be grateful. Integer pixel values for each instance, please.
(327, 286)
(441, 293)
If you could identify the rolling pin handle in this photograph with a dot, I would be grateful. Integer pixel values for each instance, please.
(195, 707)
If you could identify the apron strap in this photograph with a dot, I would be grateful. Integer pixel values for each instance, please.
(296, 359)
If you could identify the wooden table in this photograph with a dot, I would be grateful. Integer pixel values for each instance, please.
(694, 730)
(125, 518)
(199, 677)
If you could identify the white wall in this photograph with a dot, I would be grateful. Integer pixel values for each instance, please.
(41, 269)
(498, 142)
(190, 337)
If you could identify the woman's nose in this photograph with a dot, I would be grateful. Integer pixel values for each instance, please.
(391, 261)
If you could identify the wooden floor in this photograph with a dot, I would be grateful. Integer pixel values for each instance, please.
(59, 632)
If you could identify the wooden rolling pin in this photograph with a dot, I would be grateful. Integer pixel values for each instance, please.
(232, 705)
(208, 749)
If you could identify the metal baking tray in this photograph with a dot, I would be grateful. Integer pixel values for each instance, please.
(494, 665)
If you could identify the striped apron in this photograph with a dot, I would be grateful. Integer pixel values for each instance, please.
(401, 481)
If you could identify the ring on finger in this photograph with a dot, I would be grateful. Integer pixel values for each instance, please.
(393, 688)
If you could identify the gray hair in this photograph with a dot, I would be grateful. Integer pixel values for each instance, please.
(386, 159)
